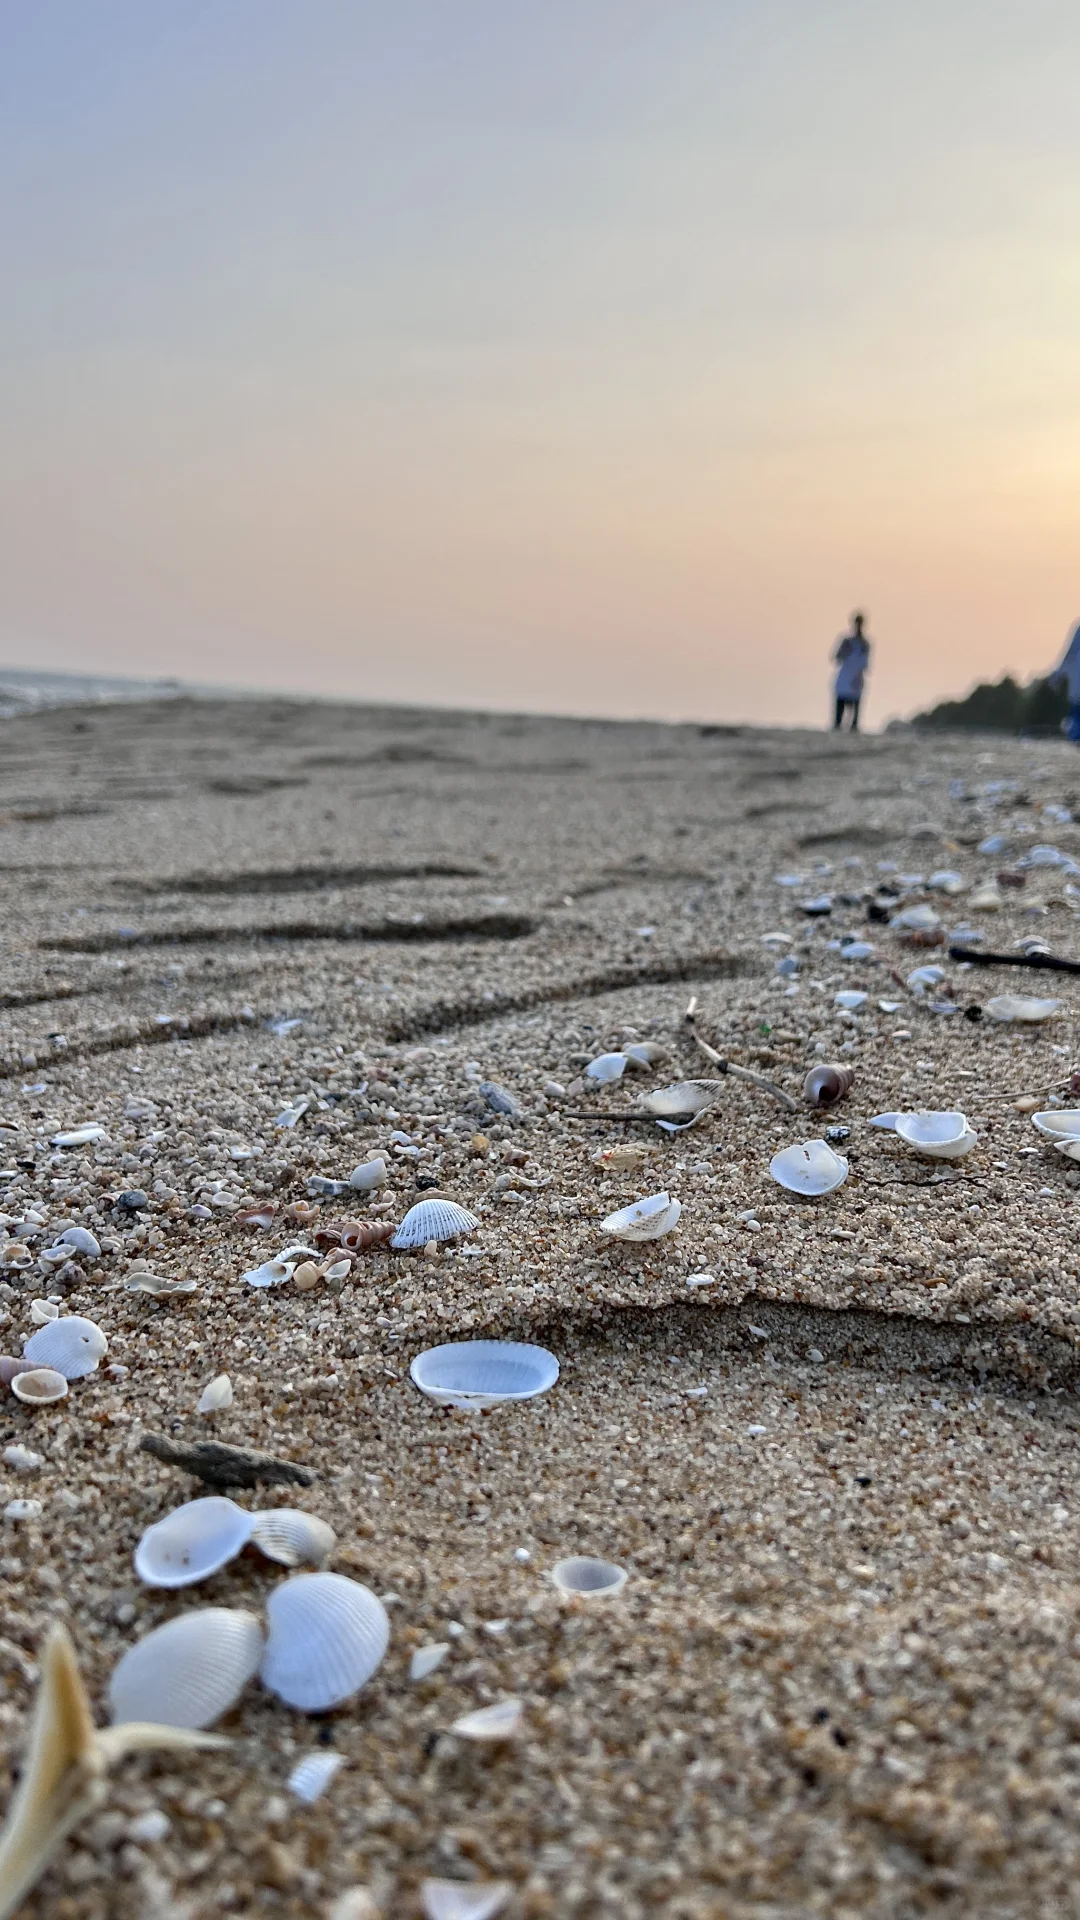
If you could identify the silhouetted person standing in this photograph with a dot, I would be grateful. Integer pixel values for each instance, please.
(852, 657)
(1068, 676)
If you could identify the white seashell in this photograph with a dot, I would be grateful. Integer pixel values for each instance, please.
(463, 1899)
(645, 1053)
(193, 1542)
(426, 1660)
(851, 1000)
(886, 1121)
(42, 1311)
(812, 1168)
(368, 1175)
(72, 1345)
(292, 1537)
(776, 939)
(915, 920)
(946, 881)
(483, 1373)
(1021, 1007)
(39, 1386)
(355, 1903)
(923, 977)
(290, 1255)
(312, 1775)
(290, 1116)
(582, 1576)
(937, 1136)
(81, 1240)
(1069, 1148)
(856, 950)
(986, 899)
(338, 1270)
(272, 1273)
(647, 1219)
(22, 1459)
(608, 1066)
(157, 1286)
(677, 1102)
(80, 1136)
(57, 1256)
(190, 1671)
(1060, 1123)
(499, 1722)
(23, 1510)
(433, 1220)
(216, 1395)
(328, 1635)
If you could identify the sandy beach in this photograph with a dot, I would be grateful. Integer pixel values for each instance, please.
(843, 1676)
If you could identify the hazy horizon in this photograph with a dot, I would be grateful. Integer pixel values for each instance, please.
(597, 360)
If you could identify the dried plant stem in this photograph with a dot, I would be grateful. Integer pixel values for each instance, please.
(738, 1073)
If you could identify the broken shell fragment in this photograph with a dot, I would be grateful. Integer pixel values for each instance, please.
(157, 1286)
(426, 1660)
(42, 1311)
(327, 1636)
(39, 1386)
(826, 1084)
(216, 1395)
(190, 1671)
(483, 1373)
(432, 1220)
(499, 1722)
(272, 1273)
(1021, 1007)
(936, 1136)
(811, 1169)
(72, 1345)
(193, 1542)
(463, 1899)
(312, 1775)
(292, 1537)
(368, 1175)
(620, 1159)
(606, 1067)
(80, 1136)
(648, 1219)
(583, 1577)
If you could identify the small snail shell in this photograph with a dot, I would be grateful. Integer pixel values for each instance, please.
(825, 1085)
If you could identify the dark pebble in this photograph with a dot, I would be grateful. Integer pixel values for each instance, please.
(134, 1199)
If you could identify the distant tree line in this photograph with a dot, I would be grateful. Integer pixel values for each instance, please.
(1003, 706)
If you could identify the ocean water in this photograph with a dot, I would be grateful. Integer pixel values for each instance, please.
(24, 690)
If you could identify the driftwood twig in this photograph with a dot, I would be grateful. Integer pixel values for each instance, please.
(221, 1466)
(1048, 962)
(738, 1073)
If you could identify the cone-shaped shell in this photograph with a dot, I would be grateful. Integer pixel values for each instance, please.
(1058, 1123)
(72, 1345)
(826, 1084)
(39, 1386)
(433, 1220)
(581, 1576)
(645, 1220)
(464, 1899)
(484, 1373)
(190, 1671)
(811, 1168)
(293, 1538)
(936, 1136)
(328, 1635)
(1021, 1007)
(193, 1542)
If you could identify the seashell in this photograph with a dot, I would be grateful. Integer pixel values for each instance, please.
(190, 1671)
(647, 1219)
(10, 1368)
(826, 1084)
(16, 1254)
(193, 1542)
(322, 1189)
(1059, 1123)
(856, 950)
(369, 1175)
(39, 1386)
(291, 1116)
(936, 1136)
(23, 1510)
(685, 1098)
(50, 1257)
(946, 881)
(312, 1775)
(645, 1053)
(851, 1000)
(337, 1270)
(256, 1217)
(1021, 1007)
(986, 899)
(306, 1276)
(499, 1722)
(299, 1214)
(1069, 1148)
(463, 1899)
(499, 1100)
(327, 1636)
(358, 1235)
(157, 1286)
(292, 1537)
(921, 919)
(812, 1168)
(483, 1373)
(42, 1311)
(290, 1255)
(22, 1459)
(272, 1273)
(80, 1136)
(921, 978)
(73, 1346)
(822, 904)
(432, 1220)
(426, 1660)
(621, 1158)
(606, 1067)
(582, 1576)
(81, 1240)
(355, 1903)
(886, 1121)
(216, 1395)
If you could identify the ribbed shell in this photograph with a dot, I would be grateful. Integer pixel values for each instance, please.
(73, 1346)
(328, 1635)
(811, 1168)
(193, 1542)
(433, 1220)
(645, 1220)
(190, 1671)
(463, 1899)
(292, 1537)
(312, 1775)
(483, 1373)
(1058, 1123)
(593, 1579)
(686, 1097)
(39, 1386)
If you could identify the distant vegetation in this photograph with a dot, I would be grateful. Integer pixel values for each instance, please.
(1003, 707)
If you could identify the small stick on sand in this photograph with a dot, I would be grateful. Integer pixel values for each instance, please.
(221, 1466)
(1049, 962)
(738, 1073)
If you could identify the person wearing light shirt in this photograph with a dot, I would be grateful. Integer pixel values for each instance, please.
(852, 657)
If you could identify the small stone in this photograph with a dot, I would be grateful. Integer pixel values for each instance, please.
(134, 1199)
(149, 1827)
(480, 1144)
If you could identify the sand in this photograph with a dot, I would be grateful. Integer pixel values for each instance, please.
(843, 1677)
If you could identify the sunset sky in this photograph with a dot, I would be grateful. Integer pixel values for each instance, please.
(582, 355)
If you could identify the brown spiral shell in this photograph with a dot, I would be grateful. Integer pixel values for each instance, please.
(826, 1084)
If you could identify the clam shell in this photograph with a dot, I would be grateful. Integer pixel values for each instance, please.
(433, 1220)
(1058, 1123)
(39, 1386)
(368, 1175)
(193, 1542)
(272, 1273)
(936, 1136)
(826, 1084)
(463, 1899)
(483, 1373)
(1022, 1007)
(915, 920)
(648, 1219)
(312, 1775)
(679, 1102)
(585, 1577)
(216, 1395)
(190, 1671)
(499, 1722)
(811, 1168)
(606, 1067)
(292, 1537)
(72, 1345)
(328, 1635)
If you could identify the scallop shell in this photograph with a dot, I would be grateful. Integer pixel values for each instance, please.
(216, 1395)
(368, 1175)
(582, 1576)
(328, 1635)
(292, 1537)
(648, 1219)
(73, 1346)
(433, 1220)
(812, 1168)
(463, 1899)
(193, 1542)
(39, 1386)
(1058, 1123)
(606, 1067)
(312, 1775)
(936, 1136)
(499, 1722)
(190, 1671)
(826, 1084)
(483, 1373)
(1022, 1007)
(156, 1286)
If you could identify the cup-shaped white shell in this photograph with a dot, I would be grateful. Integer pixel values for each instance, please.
(272, 1273)
(293, 1538)
(39, 1386)
(483, 1373)
(1022, 1007)
(499, 1722)
(433, 1220)
(646, 1219)
(886, 1121)
(42, 1311)
(937, 1136)
(312, 1775)
(368, 1175)
(591, 1579)
(921, 919)
(608, 1066)
(193, 1542)
(72, 1345)
(685, 1099)
(463, 1899)
(327, 1637)
(1058, 1123)
(216, 1395)
(645, 1053)
(811, 1168)
(190, 1671)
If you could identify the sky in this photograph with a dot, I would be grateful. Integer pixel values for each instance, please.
(591, 356)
